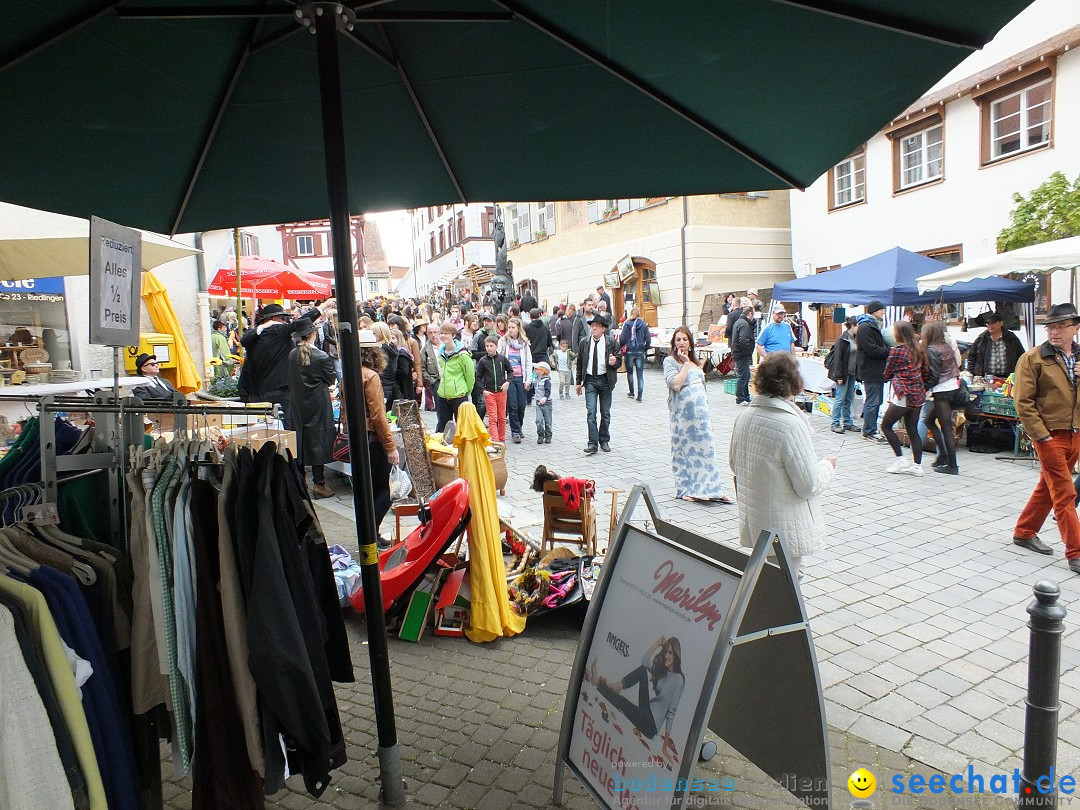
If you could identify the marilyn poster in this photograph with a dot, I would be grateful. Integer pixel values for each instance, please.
(658, 628)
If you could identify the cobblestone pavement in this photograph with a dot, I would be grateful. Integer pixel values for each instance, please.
(917, 607)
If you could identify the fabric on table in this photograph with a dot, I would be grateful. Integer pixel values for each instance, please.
(693, 452)
(47, 637)
(31, 773)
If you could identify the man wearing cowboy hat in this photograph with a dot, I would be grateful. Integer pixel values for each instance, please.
(265, 375)
(1049, 410)
(158, 388)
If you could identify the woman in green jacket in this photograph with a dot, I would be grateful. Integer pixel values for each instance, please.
(457, 375)
(219, 342)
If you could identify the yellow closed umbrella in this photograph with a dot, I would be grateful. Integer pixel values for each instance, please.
(491, 614)
(164, 319)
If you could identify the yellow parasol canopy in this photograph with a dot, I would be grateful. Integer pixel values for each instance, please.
(492, 615)
(164, 319)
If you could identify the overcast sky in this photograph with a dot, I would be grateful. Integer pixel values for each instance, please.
(394, 229)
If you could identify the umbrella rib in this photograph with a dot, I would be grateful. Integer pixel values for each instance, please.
(57, 33)
(420, 111)
(277, 36)
(371, 48)
(211, 132)
(657, 95)
(889, 22)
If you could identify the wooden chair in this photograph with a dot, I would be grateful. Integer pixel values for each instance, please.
(564, 524)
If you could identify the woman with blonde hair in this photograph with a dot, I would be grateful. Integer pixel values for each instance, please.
(388, 371)
(311, 373)
(944, 384)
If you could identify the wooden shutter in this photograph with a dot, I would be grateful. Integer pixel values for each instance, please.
(592, 210)
(550, 215)
(290, 245)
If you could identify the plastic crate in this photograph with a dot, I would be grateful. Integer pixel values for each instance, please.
(998, 404)
(729, 385)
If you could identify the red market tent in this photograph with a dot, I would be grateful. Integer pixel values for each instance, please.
(265, 278)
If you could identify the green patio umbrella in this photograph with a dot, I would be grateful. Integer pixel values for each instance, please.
(199, 116)
(177, 125)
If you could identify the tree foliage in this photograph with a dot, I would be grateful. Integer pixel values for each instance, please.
(1049, 212)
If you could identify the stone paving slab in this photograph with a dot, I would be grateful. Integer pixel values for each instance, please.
(917, 607)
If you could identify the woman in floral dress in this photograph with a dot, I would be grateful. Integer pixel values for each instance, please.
(693, 454)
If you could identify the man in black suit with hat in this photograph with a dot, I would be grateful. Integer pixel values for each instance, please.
(158, 389)
(598, 362)
(265, 375)
(1049, 410)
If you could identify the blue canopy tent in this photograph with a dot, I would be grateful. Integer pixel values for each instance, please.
(890, 278)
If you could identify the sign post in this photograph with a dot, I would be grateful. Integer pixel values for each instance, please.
(115, 289)
(682, 634)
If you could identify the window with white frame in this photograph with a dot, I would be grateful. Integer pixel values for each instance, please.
(249, 244)
(545, 218)
(373, 285)
(921, 156)
(305, 244)
(847, 180)
(1020, 120)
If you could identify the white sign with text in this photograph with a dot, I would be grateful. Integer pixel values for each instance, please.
(115, 283)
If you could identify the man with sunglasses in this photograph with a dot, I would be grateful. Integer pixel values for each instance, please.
(158, 389)
(1049, 410)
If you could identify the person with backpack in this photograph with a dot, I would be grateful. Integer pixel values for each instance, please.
(634, 341)
(840, 363)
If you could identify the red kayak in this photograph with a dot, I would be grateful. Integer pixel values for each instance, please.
(402, 566)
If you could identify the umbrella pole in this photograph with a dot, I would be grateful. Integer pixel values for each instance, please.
(326, 25)
(239, 302)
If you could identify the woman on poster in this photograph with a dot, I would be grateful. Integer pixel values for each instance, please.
(659, 681)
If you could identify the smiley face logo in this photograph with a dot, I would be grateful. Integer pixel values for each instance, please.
(862, 784)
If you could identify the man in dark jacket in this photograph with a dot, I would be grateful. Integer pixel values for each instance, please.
(528, 301)
(996, 351)
(580, 329)
(158, 388)
(733, 316)
(870, 368)
(741, 340)
(841, 371)
(539, 336)
(597, 369)
(265, 375)
(564, 329)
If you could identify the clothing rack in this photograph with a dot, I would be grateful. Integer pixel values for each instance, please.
(119, 434)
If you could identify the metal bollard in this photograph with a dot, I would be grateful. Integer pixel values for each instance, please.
(1041, 722)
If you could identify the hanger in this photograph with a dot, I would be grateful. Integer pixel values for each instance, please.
(14, 559)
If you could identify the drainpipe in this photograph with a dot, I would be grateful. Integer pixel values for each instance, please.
(200, 261)
(685, 221)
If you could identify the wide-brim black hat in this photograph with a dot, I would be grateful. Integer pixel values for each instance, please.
(1059, 313)
(302, 328)
(597, 318)
(142, 360)
(271, 311)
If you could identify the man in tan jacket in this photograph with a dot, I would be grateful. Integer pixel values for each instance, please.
(1048, 408)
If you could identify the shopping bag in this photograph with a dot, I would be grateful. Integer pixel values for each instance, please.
(400, 484)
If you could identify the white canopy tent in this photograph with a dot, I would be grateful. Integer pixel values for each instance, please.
(40, 244)
(1061, 254)
(1046, 257)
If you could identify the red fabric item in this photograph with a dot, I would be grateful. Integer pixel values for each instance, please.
(573, 488)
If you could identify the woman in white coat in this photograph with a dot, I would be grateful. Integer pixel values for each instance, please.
(779, 477)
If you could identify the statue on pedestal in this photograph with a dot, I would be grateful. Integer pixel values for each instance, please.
(502, 283)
